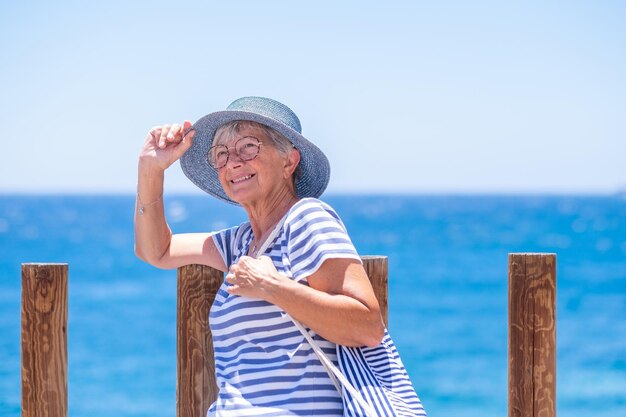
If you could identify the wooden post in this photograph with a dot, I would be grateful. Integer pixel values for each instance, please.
(377, 271)
(196, 388)
(44, 340)
(532, 335)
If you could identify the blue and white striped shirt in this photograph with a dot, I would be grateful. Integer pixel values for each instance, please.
(264, 365)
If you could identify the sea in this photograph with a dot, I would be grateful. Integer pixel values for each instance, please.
(448, 295)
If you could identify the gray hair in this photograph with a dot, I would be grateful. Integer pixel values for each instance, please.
(279, 141)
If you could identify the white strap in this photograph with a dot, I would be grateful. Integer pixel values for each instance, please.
(328, 365)
(333, 372)
(270, 238)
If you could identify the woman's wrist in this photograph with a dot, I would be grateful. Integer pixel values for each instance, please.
(282, 289)
(150, 166)
(149, 183)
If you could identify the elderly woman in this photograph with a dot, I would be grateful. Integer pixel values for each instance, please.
(292, 257)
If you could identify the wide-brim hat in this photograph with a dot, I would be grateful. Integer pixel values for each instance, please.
(314, 166)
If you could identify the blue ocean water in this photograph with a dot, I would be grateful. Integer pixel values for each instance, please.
(447, 292)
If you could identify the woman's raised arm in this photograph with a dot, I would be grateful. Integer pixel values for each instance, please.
(154, 241)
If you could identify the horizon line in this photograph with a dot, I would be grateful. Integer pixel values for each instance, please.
(357, 193)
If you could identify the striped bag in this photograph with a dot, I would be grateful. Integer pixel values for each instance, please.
(380, 379)
(372, 381)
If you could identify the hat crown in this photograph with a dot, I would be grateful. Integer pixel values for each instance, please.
(268, 108)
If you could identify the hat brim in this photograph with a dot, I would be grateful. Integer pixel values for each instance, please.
(314, 166)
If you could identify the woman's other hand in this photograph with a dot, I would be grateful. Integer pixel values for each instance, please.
(165, 144)
(254, 278)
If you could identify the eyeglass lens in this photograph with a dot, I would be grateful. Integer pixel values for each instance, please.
(246, 148)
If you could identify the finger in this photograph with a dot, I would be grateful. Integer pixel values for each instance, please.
(233, 289)
(188, 134)
(174, 135)
(153, 136)
(230, 278)
(268, 262)
(162, 137)
(245, 259)
(187, 130)
(184, 145)
(155, 132)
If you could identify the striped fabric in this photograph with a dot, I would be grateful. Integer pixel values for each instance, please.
(379, 375)
(264, 366)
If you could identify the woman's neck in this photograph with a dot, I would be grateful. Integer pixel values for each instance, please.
(264, 215)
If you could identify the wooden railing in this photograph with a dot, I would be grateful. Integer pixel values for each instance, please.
(532, 336)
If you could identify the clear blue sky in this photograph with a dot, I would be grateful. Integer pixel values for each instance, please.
(402, 96)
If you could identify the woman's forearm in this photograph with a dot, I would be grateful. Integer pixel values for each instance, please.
(152, 234)
(336, 317)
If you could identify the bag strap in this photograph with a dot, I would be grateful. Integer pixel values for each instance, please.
(334, 373)
(325, 360)
(270, 238)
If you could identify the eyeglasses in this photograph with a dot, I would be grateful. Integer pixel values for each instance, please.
(246, 149)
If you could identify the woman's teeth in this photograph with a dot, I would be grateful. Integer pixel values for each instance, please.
(236, 180)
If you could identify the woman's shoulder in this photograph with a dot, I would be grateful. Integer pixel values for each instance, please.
(310, 204)
(308, 211)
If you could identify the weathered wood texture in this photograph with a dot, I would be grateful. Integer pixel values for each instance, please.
(44, 340)
(377, 271)
(196, 388)
(532, 335)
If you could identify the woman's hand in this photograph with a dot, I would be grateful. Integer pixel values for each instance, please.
(166, 144)
(255, 278)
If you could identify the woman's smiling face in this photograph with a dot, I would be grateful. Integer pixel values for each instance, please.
(249, 182)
